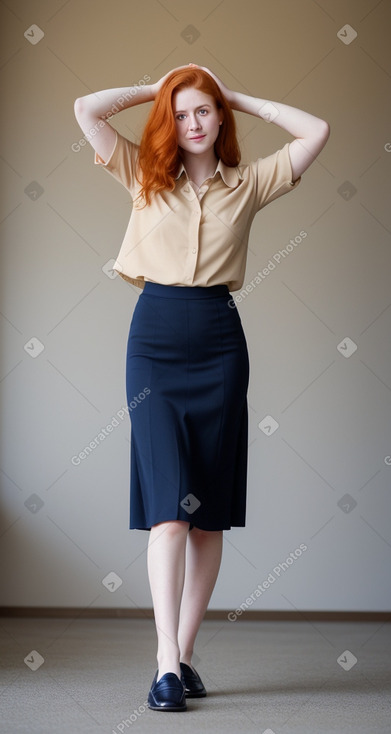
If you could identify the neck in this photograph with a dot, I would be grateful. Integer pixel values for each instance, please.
(199, 167)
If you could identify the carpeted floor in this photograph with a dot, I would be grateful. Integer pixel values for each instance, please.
(261, 677)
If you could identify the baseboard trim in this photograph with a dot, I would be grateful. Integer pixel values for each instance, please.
(220, 614)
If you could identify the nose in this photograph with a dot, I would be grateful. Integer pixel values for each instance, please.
(194, 123)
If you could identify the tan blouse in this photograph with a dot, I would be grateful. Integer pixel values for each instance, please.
(190, 236)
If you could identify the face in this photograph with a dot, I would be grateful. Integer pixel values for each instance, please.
(197, 120)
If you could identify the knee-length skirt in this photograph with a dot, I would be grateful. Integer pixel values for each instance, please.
(187, 375)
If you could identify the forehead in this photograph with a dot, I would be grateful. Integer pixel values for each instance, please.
(191, 97)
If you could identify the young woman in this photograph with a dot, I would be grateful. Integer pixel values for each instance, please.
(187, 366)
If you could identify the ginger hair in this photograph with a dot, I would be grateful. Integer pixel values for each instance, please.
(159, 154)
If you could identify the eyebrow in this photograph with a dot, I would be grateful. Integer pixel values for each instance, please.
(200, 107)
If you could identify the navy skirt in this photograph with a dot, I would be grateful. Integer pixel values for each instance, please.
(187, 374)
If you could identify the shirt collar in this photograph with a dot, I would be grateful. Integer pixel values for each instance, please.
(231, 176)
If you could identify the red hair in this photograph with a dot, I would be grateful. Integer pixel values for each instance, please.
(159, 154)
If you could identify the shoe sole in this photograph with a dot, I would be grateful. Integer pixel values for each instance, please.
(167, 708)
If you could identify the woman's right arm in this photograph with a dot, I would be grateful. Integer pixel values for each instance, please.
(93, 110)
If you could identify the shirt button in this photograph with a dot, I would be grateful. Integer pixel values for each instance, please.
(194, 250)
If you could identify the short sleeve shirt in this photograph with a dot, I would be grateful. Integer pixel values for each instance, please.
(190, 238)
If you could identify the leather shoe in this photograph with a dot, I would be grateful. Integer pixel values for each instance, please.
(167, 694)
(194, 687)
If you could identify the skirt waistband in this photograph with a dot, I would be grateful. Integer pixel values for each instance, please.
(185, 291)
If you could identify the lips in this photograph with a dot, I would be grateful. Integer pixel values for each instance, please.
(197, 137)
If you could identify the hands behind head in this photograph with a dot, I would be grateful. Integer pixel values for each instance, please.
(156, 87)
(224, 89)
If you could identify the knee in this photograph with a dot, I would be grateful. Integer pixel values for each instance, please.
(198, 534)
(173, 528)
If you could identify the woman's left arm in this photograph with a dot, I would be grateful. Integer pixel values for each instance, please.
(311, 133)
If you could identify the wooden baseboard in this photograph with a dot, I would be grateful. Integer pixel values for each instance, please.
(220, 614)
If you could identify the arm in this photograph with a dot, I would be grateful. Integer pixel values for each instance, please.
(93, 110)
(311, 132)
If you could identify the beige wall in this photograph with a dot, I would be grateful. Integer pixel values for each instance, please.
(64, 527)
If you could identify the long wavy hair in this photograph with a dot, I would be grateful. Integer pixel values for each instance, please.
(159, 154)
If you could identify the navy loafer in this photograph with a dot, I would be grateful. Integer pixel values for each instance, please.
(167, 694)
(194, 687)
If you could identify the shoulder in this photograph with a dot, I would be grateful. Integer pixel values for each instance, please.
(267, 162)
(125, 146)
(122, 162)
(276, 166)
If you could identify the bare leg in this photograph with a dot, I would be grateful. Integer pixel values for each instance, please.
(166, 569)
(204, 551)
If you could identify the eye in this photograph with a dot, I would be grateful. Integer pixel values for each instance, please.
(204, 110)
(181, 116)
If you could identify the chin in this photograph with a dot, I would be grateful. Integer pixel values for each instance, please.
(199, 147)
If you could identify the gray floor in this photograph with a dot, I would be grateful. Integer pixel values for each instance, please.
(263, 677)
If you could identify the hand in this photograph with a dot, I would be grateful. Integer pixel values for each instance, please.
(224, 89)
(156, 87)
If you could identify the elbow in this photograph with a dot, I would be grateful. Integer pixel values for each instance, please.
(78, 107)
(324, 131)
(320, 135)
(82, 110)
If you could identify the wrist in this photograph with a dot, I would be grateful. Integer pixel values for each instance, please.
(233, 99)
(152, 88)
(143, 93)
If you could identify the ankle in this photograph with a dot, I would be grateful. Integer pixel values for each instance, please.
(168, 664)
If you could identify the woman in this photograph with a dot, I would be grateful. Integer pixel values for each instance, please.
(187, 360)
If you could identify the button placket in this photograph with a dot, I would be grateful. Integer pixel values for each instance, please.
(194, 225)
(188, 191)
